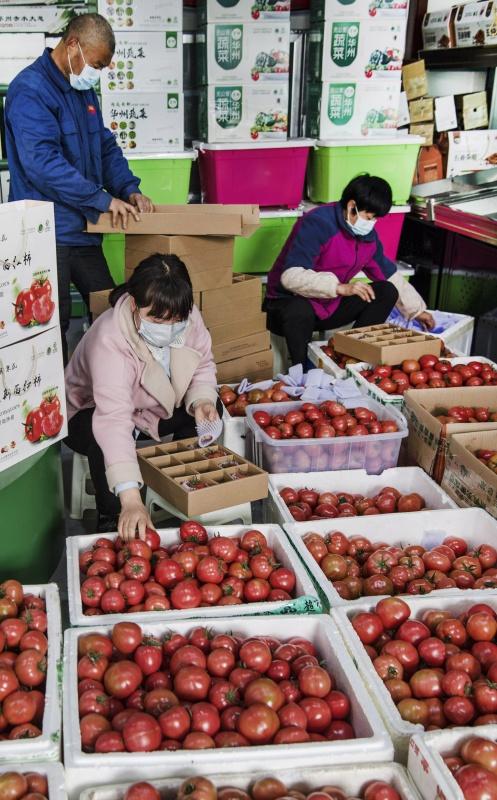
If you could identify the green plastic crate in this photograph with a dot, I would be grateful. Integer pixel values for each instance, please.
(165, 179)
(333, 164)
(259, 252)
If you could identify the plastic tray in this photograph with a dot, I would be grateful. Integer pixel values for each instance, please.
(400, 730)
(372, 743)
(47, 746)
(426, 766)
(405, 479)
(54, 772)
(324, 362)
(428, 528)
(374, 452)
(350, 779)
(276, 539)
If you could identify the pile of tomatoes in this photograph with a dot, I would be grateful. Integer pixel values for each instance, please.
(358, 567)
(23, 786)
(45, 421)
(23, 662)
(440, 669)
(205, 690)
(201, 788)
(34, 306)
(196, 572)
(462, 415)
(429, 373)
(339, 358)
(236, 404)
(328, 420)
(309, 504)
(475, 768)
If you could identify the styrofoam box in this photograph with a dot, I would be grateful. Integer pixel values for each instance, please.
(400, 730)
(427, 528)
(426, 765)
(372, 742)
(277, 540)
(371, 390)
(47, 746)
(324, 362)
(373, 452)
(54, 773)
(405, 479)
(351, 779)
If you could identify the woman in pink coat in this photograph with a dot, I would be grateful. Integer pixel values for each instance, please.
(143, 370)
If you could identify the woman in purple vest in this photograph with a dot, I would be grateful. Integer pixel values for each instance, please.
(309, 287)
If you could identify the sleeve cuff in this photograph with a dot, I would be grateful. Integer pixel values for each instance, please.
(121, 487)
(207, 394)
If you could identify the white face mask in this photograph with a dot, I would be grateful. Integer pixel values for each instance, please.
(160, 334)
(88, 77)
(361, 227)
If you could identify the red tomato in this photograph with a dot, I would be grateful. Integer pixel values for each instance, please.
(141, 733)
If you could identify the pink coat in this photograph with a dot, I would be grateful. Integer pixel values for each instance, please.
(113, 370)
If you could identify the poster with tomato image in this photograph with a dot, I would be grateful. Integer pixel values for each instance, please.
(28, 270)
(33, 412)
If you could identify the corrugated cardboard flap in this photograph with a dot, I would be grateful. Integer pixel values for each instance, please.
(188, 220)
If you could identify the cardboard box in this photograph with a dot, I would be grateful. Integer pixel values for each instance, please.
(225, 304)
(476, 24)
(338, 110)
(426, 130)
(243, 113)
(30, 371)
(385, 344)
(438, 29)
(146, 15)
(29, 300)
(34, 19)
(134, 65)
(244, 327)
(415, 80)
(166, 467)
(425, 430)
(475, 110)
(189, 220)
(99, 302)
(255, 367)
(242, 11)
(358, 9)
(243, 52)
(356, 49)
(148, 123)
(244, 346)
(469, 482)
(421, 110)
(230, 312)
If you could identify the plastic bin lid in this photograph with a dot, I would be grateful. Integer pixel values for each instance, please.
(191, 154)
(277, 145)
(278, 213)
(372, 141)
(400, 209)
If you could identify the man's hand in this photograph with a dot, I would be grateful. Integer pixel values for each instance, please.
(133, 515)
(120, 211)
(141, 202)
(205, 412)
(362, 290)
(426, 319)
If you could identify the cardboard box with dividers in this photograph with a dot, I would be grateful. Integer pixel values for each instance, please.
(385, 344)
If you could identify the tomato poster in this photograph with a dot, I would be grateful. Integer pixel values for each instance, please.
(28, 270)
(33, 412)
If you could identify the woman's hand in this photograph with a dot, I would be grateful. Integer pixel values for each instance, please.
(426, 319)
(133, 515)
(362, 290)
(205, 412)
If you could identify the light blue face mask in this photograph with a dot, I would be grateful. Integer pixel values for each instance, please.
(361, 227)
(88, 77)
(160, 334)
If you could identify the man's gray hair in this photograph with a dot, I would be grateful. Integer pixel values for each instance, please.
(91, 29)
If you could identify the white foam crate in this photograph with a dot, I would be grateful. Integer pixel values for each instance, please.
(405, 479)
(373, 391)
(400, 730)
(324, 362)
(285, 555)
(427, 528)
(54, 773)
(234, 429)
(47, 746)
(372, 452)
(350, 779)
(373, 742)
(460, 335)
(426, 766)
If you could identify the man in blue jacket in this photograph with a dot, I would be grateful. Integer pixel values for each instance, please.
(59, 150)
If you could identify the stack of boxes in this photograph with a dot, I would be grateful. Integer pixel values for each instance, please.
(142, 91)
(243, 67)
(355, 59)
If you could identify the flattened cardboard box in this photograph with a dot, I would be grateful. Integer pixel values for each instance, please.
(244, 287)
(469, 482)
(229, 313)
(244, 346)
(425, 429)
(257, 366)
(385, 344)
(206, 280)
(99, 302)
(245, 327)
(188, 220)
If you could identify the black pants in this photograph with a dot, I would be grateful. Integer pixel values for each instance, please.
(82, 440)
(294, 317)
(87, 268)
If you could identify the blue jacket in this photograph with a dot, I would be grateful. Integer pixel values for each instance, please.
(58, 149)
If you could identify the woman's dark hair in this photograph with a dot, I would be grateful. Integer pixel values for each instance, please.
(161, 282)
(369, 193)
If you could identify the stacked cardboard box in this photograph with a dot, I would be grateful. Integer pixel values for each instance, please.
(355, 60)
(142, 90)
(243, 67)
